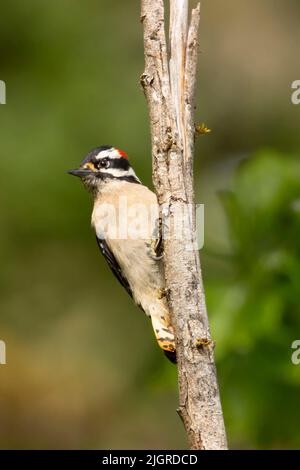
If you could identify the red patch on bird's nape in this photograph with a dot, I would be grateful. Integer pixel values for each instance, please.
(122, 154)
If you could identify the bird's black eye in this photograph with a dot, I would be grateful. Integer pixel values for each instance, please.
(103, 163)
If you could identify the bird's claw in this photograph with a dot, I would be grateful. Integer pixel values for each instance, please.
(154, 246)
(161, 293)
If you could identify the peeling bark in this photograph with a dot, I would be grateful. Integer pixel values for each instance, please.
(169, 85)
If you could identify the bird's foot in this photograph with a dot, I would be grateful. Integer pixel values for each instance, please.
(154, 248)
(161, 293)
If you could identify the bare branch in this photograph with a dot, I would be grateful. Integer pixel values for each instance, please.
(170, 95)
(178, 38)
(189, 97)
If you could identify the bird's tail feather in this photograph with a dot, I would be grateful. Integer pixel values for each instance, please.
(171, 355)
(164, 332)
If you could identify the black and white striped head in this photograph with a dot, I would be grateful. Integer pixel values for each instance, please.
(104, 164)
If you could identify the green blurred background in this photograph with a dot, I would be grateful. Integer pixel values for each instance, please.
(83, 370)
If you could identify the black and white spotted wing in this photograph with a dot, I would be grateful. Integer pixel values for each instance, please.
(113, 264)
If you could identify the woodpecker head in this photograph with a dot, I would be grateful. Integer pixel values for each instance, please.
(102, 165)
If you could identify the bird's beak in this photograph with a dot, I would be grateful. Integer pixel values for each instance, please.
(81, 172)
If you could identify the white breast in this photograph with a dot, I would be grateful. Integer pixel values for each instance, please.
(131, 245)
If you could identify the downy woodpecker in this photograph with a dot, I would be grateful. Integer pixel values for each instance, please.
(125, 219)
